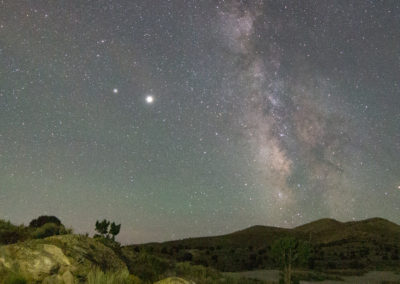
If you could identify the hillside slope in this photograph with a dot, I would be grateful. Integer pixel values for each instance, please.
(371, 243)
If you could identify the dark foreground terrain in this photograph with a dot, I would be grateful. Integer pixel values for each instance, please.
(340, 251)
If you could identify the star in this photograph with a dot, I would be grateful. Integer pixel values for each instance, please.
(115, 91)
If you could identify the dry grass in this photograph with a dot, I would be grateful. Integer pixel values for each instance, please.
(97, 276)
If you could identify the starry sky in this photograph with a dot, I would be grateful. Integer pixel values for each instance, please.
(191, 118)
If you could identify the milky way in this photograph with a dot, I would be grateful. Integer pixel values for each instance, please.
(189, 118)
(287, 128)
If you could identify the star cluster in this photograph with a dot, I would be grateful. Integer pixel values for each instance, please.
(189, 118)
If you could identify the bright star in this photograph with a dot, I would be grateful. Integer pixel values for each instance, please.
(149, 99)
(115, 91)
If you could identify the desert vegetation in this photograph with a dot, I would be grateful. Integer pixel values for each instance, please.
(41, 227)
(314, 252)
(289, 252)
(106, 229)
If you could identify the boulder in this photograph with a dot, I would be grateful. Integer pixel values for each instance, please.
(68, 278)
(58, 259)
(38, 261)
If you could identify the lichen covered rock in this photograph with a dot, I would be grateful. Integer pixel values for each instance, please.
(58, 259)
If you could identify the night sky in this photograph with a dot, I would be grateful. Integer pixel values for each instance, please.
(192, 118)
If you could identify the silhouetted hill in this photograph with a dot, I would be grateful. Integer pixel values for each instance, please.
(319, 225)
(371, 243)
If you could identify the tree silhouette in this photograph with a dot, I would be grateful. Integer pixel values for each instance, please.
(44, 219)
(114, 230)
(288, 252)
(102, 228)
(105, 230)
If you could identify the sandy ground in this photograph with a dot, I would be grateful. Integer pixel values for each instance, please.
(372, 277)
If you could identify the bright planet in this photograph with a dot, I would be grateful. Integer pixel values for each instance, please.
(149, 99)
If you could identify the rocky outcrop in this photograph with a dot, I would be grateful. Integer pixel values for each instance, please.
(58, 259)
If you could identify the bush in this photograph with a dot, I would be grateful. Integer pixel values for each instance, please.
(203, 275)
(97, 276)
(10, 233)
(41, 220)
(187, 256)
(114, 245)
(201, 260)
(196, 273)
(149, 267)
(49, 229)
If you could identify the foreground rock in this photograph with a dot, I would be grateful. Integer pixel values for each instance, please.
(58, 259)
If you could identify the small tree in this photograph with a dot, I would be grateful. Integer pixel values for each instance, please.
(288, 252)
(105, 230)
(44, 219)
(114, 230)
(102, 228)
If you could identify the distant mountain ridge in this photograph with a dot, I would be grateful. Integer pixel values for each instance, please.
(327, 224)
(370, 243)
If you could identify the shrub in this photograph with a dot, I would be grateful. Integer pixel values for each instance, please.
(10, 233)
(49, 229)
(148, 267)
(115, 246)
(201, 260)
(187, 256)
(203, 275)
(97, 276)
(41, 220)
(196, 273)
